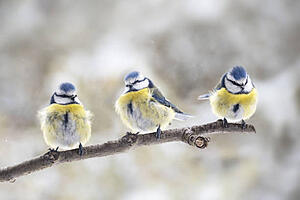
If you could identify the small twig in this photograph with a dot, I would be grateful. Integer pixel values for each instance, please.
(193, 136)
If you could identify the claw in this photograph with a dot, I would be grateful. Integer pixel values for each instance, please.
(225, 123)
(243, 124)
(80, 150)
(158, 132)
(53, 150)
(129, 133)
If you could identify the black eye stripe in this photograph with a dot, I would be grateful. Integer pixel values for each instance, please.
(235, 83)
(138, 81)
(242, 87)
(65, 96)
(72, 97)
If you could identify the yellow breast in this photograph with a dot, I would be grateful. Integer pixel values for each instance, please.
(76, 109)
(137, 96)
(52, 119)
(222, 102)
(148, 112)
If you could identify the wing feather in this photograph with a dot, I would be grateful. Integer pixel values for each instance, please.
(159, 97)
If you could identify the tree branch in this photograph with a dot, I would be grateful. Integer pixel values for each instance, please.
(192, 136)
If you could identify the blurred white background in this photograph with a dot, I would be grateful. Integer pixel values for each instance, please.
(184, 47)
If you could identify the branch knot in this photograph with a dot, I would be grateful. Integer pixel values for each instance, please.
(193, 138)
(51, 156)
(129, 138)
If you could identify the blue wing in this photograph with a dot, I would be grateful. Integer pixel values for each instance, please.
(159, 97)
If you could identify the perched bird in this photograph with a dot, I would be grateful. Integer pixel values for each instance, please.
(142, 107)
(234, 98)
(65, 123)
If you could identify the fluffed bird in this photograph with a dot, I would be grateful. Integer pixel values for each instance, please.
(65, 123)
(234, 98)
(142, 107)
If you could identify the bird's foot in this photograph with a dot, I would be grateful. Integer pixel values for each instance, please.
(130, 133)
(80, 149)
(225, 123)
(53, 150)
(243, 124)
(158, 132)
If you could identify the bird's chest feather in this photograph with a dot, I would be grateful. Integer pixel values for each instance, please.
(65, 120)
(223, 97)
(139, 110)
(234, 105)
(134, 100)
(135, 105)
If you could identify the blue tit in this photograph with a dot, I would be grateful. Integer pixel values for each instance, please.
(65, 123)
(142, 107)
(235, 97)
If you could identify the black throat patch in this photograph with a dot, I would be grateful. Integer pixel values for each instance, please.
(129, 108)
(236, 108)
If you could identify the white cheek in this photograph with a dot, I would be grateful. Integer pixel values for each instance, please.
(77, 100)
(245, 80)
(231, 87)
(248, 87)
(61, 100)
(141, 85)
(126, 90)
(61, 92)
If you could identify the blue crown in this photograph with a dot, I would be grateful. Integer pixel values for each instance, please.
(66, 87)
(238, 72)
(131, 75)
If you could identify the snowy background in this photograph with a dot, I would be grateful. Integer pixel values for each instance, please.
(184, 47)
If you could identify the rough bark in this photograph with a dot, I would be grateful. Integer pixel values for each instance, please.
(194, 136)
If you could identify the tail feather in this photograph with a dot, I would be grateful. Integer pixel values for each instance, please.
(204, 97)
(182, 116)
